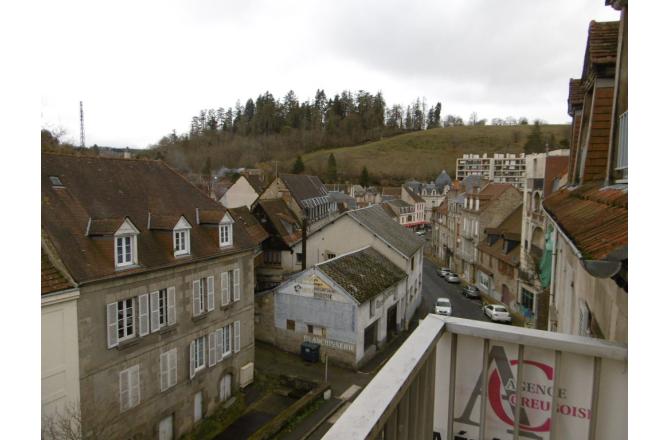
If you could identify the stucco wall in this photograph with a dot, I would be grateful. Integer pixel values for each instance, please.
(239, 194)
(100, 366)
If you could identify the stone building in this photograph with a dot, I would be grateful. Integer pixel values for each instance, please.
(586, 264)
(348, 304)
(165, 277)
(417, 202)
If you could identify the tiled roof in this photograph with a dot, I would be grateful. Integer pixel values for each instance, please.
(255, 230)
(601, 44)
(493, 191)
(283, 221)
(304, 187)
(162, 222)
(509, 229)
(376, 220)
(112, 189)
(363, 274)
(594, 218)
(52, 279)
(254, 181)
(391, 191)
(555, 167)
(575, 95)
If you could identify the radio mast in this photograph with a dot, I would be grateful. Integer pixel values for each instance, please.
(83, 133)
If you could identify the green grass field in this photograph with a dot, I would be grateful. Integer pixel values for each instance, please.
(423, 154)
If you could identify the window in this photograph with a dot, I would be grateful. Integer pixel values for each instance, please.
(622, 153)
(203, 295)
(226, 234)
(230, 286)
(129, 388)
(372, 308)
(309, 328)
(527, 300)
(330, 255)
(197, 355)
(124, 250)
(122, 319)
(236, 294)
(181, 242)
(226, 387)
(300, 257)
(290, 324)
(163, 308)
(272, 257)
(167, 369)
(237, 336)
(126, 327)
(223, 342)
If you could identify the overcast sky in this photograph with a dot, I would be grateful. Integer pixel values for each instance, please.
(144, 68)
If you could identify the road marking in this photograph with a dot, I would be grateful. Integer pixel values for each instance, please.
(350, 392)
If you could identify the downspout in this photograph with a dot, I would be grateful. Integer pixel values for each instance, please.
(552, 294)
(304, 226)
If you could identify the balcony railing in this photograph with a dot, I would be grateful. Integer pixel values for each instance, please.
(461, 379)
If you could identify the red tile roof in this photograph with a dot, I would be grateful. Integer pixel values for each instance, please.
(601, 45)
(594, 218)
(257, 233)
(53, 280)
(575, 95)
(283, 223)
(108, 190)
(555, 168)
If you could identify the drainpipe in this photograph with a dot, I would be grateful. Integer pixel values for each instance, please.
(552, 294)
(304, 226)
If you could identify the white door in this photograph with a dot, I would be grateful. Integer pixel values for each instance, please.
(165, 429)
(226, 387)
(198, 406)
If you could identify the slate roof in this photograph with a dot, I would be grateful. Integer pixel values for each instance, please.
(377, 221)
(364, 274)
(102, 191)
(283, 221)
(443, 179)
(471, 181)
(53, 280)
(254, 181)
(304, 187)
(255, 230)
(594, 218)
(413, 195)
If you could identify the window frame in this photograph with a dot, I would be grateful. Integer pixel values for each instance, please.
(181, 239)
(122, 305)
(124, 251)
(200, 356)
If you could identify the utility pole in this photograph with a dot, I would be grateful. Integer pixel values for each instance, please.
(304, 227)
(81, 119)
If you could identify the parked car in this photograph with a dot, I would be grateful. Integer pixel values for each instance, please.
(497, 313)
(443, 271)
(471, 291)
(452, 277)
(443, 307)
(420, 233)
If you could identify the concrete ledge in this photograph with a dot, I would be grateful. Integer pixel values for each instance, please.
(270, 430)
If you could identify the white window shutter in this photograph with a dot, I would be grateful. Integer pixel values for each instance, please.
(171, 305)
(219, 345)
(237, 290)
(112, 325)
(192, 359)
(210, 294)
(134, 386)
(212, 350)
(164, 371)
(172, 367)
(197, 306)
(225, 288)
(237, 336)
(143, 314)
(155, 312)
(124, 387)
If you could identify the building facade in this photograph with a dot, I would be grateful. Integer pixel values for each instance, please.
(165, 312)
(244, 192)
(499, 167)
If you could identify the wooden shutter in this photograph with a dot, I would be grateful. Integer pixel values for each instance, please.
(212, 350)
(237, 291)
(210, 295)
(172, 366)
(225, 288)
(197, 305)
(237, 336)
(155, 311)
(134, 386)
(112, 325)
(192, 359)
(124, 386)
(143, 314)
(219, 345)
(164, 371)
(171, 305)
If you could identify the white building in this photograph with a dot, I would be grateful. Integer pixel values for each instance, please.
(500, 168)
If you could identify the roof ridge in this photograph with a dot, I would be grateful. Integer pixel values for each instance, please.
(344, 255)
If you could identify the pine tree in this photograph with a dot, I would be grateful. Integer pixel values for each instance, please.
(331, 169)
(298, 166)
(364, 178)
(534, 143)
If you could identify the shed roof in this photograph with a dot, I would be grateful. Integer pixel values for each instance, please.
(364, 274)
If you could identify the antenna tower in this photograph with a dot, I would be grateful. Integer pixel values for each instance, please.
(83, 133)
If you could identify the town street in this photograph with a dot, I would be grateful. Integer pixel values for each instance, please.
(434, 287)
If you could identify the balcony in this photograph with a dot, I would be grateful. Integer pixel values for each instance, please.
(432, 388)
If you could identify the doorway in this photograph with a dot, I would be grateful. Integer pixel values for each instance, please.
(166, 428)
(392, 320)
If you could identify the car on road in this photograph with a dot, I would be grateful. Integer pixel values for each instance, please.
(452, 277)
(443, 307)
(497, 313)
(443, 271)
(420, 233)
(471, 291)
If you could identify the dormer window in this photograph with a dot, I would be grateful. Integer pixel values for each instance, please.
(182, 237)
(226, 230)
(125, 245)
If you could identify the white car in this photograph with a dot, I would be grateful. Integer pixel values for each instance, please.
(497, 313)
(443, 271)
(443, 307)
(452, 277)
